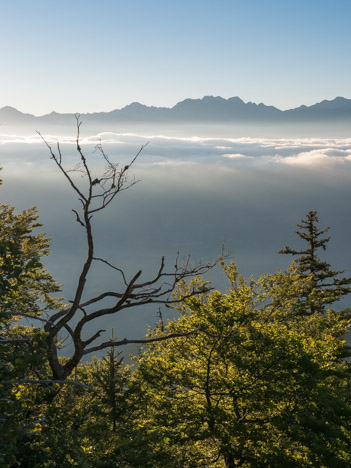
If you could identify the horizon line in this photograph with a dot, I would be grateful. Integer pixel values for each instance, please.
(179, 102)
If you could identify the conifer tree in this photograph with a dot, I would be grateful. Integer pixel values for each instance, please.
(326, 286)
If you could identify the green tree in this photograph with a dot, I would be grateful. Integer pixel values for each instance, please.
(26, 290)
(326, 286)
(86, 428)
(112, 409)
(258, 385)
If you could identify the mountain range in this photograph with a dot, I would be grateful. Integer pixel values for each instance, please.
(209, 109)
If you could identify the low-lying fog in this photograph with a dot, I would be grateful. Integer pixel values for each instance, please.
(194, 194)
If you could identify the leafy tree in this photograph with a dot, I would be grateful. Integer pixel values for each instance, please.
(26, 290)
(86, 428)
(258, 385)
(326, 286)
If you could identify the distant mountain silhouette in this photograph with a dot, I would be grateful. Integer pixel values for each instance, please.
(217, 108)
(208, 109)
(339, 109)
(10, 115)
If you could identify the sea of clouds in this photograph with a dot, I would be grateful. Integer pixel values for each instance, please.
(195, 193)
(172, 150)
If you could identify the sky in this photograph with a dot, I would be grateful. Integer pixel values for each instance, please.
(92, 56)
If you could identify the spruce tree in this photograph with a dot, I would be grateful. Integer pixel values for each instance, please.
(326, 286)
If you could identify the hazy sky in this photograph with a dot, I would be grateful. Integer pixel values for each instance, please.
(89, 55)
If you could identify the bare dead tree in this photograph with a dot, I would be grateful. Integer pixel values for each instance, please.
(99, 192)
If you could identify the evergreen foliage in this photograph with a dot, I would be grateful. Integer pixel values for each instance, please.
(326, 286)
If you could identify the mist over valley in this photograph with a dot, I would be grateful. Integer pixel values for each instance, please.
(200, 186)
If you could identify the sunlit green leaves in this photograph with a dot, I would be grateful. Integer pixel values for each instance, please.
(254, 382)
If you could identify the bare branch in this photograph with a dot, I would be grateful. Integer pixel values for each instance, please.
(125, 341)
(112, 266)
(99, 191)
(156, 278)
(100, 297)
(58, 315)
(58, 161)
(78, 218)
(93, 338)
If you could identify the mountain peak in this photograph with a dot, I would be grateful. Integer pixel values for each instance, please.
(212, 99)
(236, 100)
(10, 110)
(134, 106)
(337, 103)
(10, 115)
(208, 109)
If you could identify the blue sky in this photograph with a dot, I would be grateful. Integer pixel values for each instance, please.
(87, 56)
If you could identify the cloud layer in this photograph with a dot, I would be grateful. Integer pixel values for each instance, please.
(195, 193)
(163, 149)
